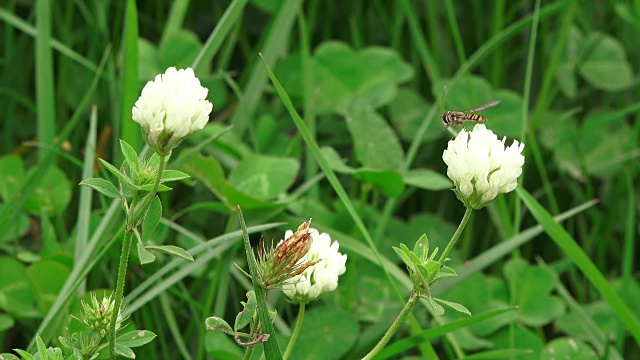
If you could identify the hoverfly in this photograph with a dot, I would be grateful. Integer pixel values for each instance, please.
(454, 118)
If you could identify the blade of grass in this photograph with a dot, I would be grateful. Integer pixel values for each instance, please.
(203, 253)
(271, 348)
(51, 319)
(473, 61)
(45, 94)
(86, 194)
(498, 354)
(231, 17)
(273, 46)
(593, 333)
(310, 168)
(175, 19)
(498, 251)
(583, 262)
(170, 321)
(406, 344)
(430, 64)
(13, 208)
(629, 247)
(524, 115)
(28, 29)
(339, 189)
(455, 31)
(329, 173)
(130, 84)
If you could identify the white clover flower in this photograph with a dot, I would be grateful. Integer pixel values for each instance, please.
(171, 107)
(321, 277)
(481, 167)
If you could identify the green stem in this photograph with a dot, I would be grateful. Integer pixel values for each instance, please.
(456, 235)
(249, 352)
(122, 271)
(296, 332)
(406, 310)
(124, 255)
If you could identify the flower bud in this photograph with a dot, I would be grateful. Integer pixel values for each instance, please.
(287, 260)
(97, 315)
(320, 278)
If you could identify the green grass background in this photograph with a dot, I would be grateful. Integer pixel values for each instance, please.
(351, 138)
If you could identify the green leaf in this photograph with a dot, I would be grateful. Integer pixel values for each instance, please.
(444, 272)
(7, 356)
(180, 49)
(471, 91)
(424, 277)
(12, 177)
(209, 171)
(518, 337)
(582, 261)
(102, 186)
(171, 250)
(52, 194)
(566, 348)
(432, 266)
(47, 278)
(16, 296)
(404, 256)
(135, 338)
(326, 328)
(531, 286)
(455, 306)
(437, 309)
(173, 175)
(342, 75)
(149, 187)
(125, 351)
(215, 323)
(145, 256)
(264, 177)
(427, 179)
(151, 219)
(244, 317)
(407, 112)
(389, 182)
(130, 155)
(421, 247)
(6, 322)
(375, 143)
(154, 161)
(25, 355)
(605, 64)
(18, 228)
(42, 348)
(124, 179)
(565, 73)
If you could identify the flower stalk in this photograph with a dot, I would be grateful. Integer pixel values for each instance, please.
(406, 310)
(296, 331)
(454, 238)
(133, 218)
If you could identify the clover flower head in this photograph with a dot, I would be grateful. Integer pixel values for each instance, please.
(171, 107)
(320, 278)
(481, 167)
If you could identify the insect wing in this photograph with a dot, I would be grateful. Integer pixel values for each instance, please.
(484, 106)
